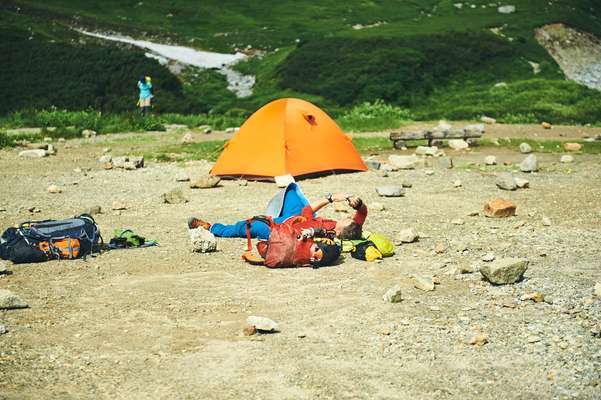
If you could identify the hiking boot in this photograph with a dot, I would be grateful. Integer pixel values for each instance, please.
(194, 223)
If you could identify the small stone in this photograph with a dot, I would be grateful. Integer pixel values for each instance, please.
(262, 324)
(187, 139)
(230, 130)
(566, 158)
(119, 162)
(372, 164)
(504, 271)
(3, 268)
(458, 144)
(423, 283)
(458, 221)
(509, 9)
(572, 146)
(61, 140)
(51, 150)
(54, 189)
(403, 162)
(33, 153)
(138, 161)
(488, 120)
(525, 148)
(174, 196)
(597, 289)
(393, 295)
(490, 160)
(429, 172)
(203, 241)
(108, 165)
(457, 184)
(529, 164)
(478, 340)
(249, 330)
(522, 183)
(440, 248)
(407, 184)
(182, 176)
(546, 125)
(390, 191)
(534, 339)
(408, 235)
(3, 329)
(242, 182)
(376, 207)
(382, 174)
(204, 182)
(106, 150)
(506, 181)
(546, 221)
(105, 159)
(426, 150)
(94, 210)
(499, 208)
(9, 300)
(536, 297)
(488, 257)
(88, 133)
(129, 165)
(118, 205)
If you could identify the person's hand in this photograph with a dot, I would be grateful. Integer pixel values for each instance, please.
(355, 202)
(340, 196)
(306, 233)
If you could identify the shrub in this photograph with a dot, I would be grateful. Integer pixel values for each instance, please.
(374, 116)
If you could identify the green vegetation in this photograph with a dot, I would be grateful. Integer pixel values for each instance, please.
(430, 57)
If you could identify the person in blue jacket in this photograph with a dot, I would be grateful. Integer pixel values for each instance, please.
(145, 87)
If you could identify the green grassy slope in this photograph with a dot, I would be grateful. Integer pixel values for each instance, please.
(428, 55)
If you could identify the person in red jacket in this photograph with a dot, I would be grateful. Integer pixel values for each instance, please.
(348, 228)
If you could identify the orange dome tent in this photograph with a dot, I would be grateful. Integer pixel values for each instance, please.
(288, 136)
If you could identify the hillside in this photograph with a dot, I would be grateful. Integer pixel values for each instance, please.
(441, 59)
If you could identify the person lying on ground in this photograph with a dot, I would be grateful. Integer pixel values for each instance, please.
(347, 228)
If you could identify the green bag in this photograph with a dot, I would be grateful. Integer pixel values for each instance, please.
(383, 244)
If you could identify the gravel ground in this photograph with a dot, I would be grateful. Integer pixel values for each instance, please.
(164, 322)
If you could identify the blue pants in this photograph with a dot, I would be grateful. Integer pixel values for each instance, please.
(294, 202)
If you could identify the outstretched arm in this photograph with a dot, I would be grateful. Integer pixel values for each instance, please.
(321, 203)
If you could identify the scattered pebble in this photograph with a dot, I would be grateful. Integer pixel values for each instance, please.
(458, 221)
(546, 221)
(408, 235)
(490, 160)
(478, 340)
(457, 184)
(499, 208)
(393, 295)
(440, 248)
(504, 271)
(525, 148)
(3, 329)
(54, 189)
(566, 158)
(536, 297)
(174, 196)
(390, 191)
(423, 283)
(488, 257)
(249, 330)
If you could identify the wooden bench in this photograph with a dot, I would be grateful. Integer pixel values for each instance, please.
(399, 138)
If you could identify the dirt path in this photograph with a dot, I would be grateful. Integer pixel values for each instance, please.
(163, 322)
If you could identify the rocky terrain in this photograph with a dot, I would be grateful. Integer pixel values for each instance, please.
(166, 322)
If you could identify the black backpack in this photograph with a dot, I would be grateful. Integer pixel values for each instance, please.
(37, 241)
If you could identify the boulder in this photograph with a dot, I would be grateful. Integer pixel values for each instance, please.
(546, 125)
(475, 128)
(403, 162)
(499, 208)
(529, 164)
(204, 182)
(458, 144)
(175, 196)
(504, 271)
(490, 160)
(39, 153)
(572, 146)
(408, 235)
(88, 133)
(525, 148)
(390, 191)
(262, 324)
(566, 158)
(393, 295)
(488, 120)
(9, 300)
(202, 240)
(506, 181)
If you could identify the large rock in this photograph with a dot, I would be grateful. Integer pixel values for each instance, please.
(88, 133)
(504, 271)
(525, 148)
(202, 240)
(408, 235)
(458, 144)
(390, 191)
(475, 128)
(499, 208)
(426, 150)
(9, 300)
(522, 183)
(423, 283)
(566, 158)
(204, 182)
(488, 120)
(33, 153)
(403, 162)
(137, 161)
(175, 196)
(506, 181)
(529, 164)
(445, 163)
(119, 162)
(393, 295)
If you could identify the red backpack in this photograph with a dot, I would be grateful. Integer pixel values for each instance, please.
(285, 247)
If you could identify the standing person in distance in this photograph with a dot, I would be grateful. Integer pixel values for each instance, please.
(145, 87)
